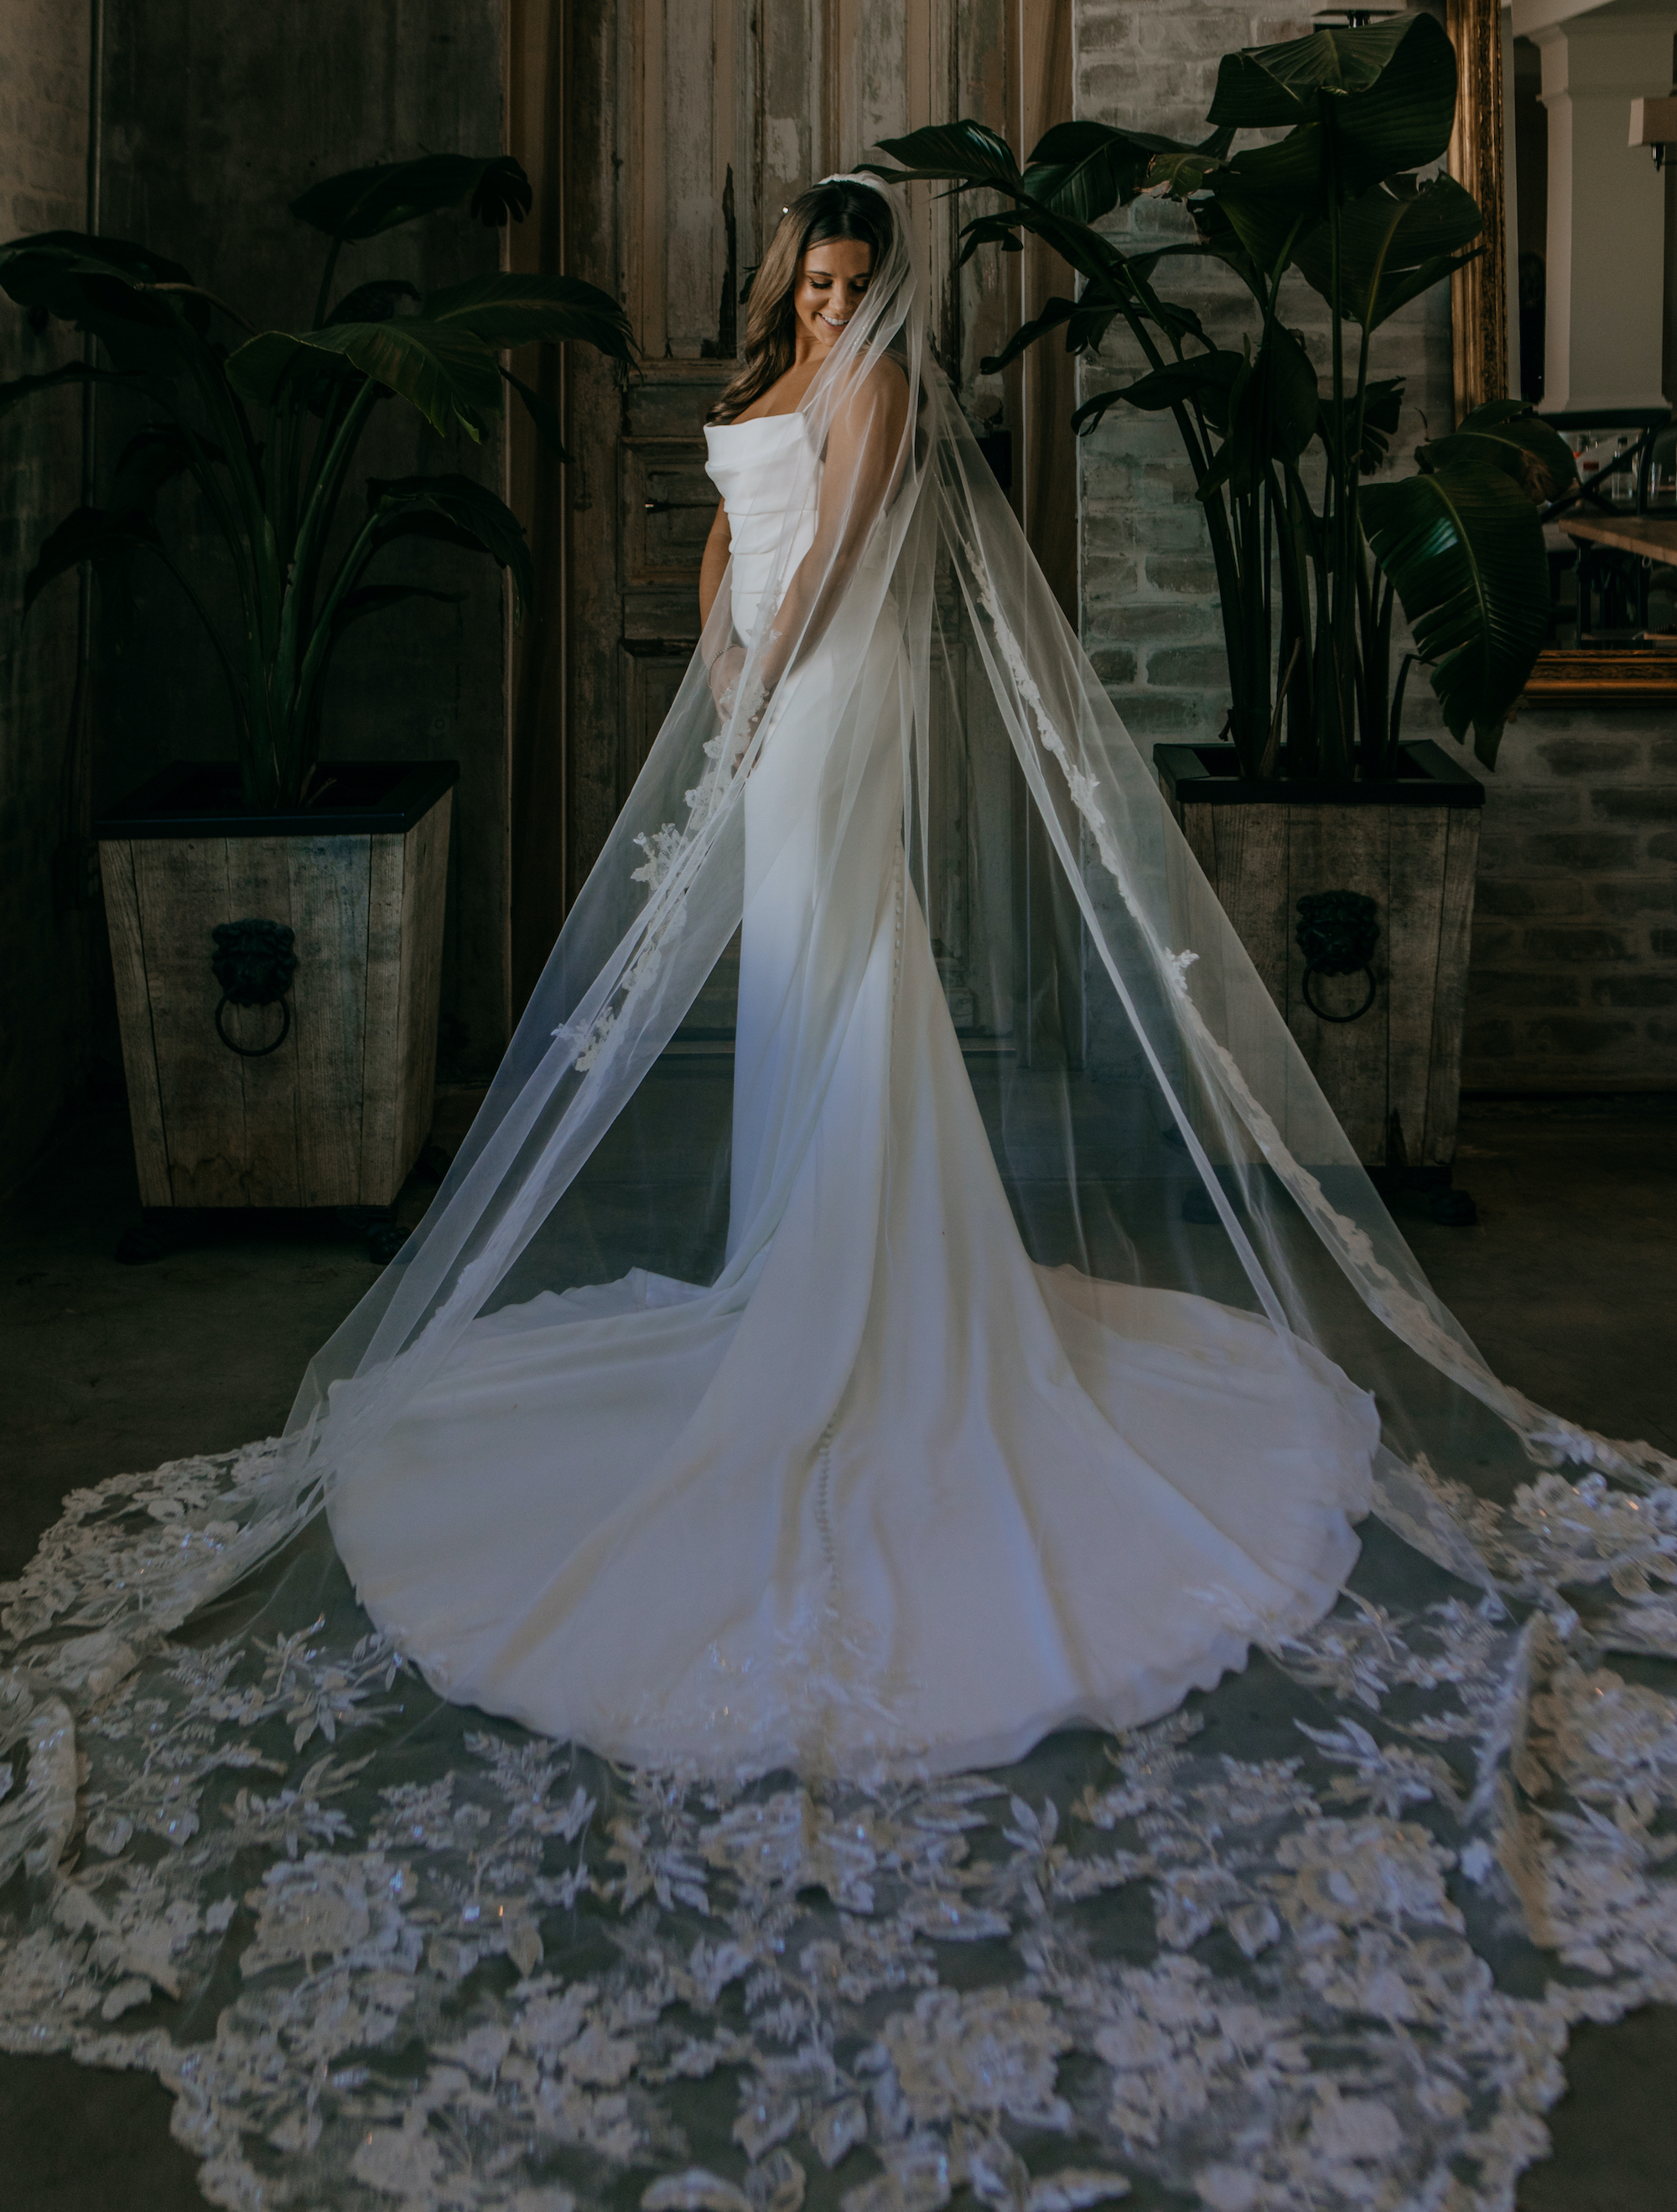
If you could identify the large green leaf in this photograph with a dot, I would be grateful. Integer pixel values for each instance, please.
(142, 308)
(1270, 416)
(514, 311)
(1463, 545)
(1002, 230)
(362, 202)
(375, 302)
(460, 512)
(1204, 378)
(1345, 140)
(445, 372)
(1382, 406)
(1401, 120)
(67, 372)
(964, 152)
(153, 457)
(87, 534)
(1264, 87)
(377, 598)
(86, 252)
(542, 412)
(1396, 242)
(1084, 170)
(1508, 435)
(1056, 312)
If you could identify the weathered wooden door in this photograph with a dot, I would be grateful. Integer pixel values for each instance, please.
(666, 137)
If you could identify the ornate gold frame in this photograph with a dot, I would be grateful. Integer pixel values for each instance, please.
(1478, 293)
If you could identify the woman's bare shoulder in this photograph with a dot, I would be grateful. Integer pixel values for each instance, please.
(878, 390)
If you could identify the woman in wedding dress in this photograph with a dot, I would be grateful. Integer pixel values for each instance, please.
(1010, 1338)
(885, 1491)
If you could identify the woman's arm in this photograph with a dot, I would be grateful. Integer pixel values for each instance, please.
(723, 657)
(718, 547)
(863, 463)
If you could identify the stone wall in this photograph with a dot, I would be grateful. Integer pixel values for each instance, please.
(1574, 979)
(44, 965)
(217, 116)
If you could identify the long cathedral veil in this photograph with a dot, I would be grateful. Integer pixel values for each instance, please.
(1152, 1116)
(1141, 1060)
(386, 1949)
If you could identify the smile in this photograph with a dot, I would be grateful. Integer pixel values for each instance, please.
(832, 321)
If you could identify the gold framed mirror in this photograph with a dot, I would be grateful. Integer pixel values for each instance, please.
(1571, 306)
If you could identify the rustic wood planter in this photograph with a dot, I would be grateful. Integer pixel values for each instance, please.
(338, 1112)
(1393, 1074)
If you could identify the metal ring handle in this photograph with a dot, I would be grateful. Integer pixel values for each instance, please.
(1322, 1012)
(255, 1051)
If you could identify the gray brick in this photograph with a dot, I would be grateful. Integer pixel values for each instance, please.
(1531, 806)
(1589, 755)
(1597, 851)
(1169, 572)
(1663, 753)
(1493, 938)
(1177, 529)
(1200, 667)
(1656, 803)
(1486, 1039)
(1114, 664)
(1167, 714)
(1593, 946)
(1146, 622)
(1559, 898)
(1165, 484)
(1634, 991)
(1582, 1035)
(1108, 578)
(1627, 902)
(1663, 846)
(1498, 987)
(1494, 896)
(1663, 942)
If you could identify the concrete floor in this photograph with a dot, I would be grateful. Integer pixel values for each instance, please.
(1569, 1284)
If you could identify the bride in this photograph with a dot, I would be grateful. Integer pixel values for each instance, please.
(1008, 1337)
(885, 1490)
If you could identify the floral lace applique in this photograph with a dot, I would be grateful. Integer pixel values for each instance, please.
(385, 1952)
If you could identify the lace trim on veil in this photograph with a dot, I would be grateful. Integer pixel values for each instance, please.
(1336, 1972)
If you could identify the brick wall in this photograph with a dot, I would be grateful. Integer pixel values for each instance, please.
(1574, 978)
(44, 988)
(1574, 982)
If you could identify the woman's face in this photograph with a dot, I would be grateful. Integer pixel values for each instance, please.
(831, 280)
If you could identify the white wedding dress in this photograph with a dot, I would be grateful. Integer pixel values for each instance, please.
(877, 1487)
(887, 1493)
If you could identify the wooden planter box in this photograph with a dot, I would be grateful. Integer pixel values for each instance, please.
(1393, 1075)
(339, 1114)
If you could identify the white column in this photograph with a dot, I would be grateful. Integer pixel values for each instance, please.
(1605, 257)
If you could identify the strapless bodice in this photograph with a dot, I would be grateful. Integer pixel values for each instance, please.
(767, 475)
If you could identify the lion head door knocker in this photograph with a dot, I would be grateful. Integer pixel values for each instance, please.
(1337, 933)
(253, 963)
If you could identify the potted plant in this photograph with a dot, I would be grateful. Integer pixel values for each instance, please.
(276, 920)
(1315, 811)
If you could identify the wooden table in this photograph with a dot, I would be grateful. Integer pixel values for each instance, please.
(1654, 537)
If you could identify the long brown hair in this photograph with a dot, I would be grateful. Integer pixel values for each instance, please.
(824, 212)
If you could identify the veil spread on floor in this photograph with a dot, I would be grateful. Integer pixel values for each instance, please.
(252, 1854)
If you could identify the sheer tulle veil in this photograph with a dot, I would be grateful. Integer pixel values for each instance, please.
(1152, 1115)
(1311, 1939)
